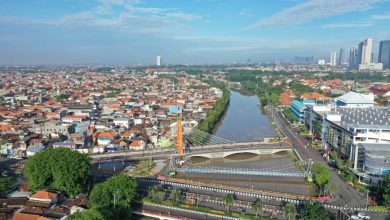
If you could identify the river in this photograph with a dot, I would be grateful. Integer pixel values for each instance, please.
(244, 120)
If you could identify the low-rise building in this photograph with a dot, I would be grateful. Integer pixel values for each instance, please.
(355, 100)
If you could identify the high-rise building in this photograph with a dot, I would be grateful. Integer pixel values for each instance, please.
(341, 57)
(384, 53)
(353, 58)
(303, 60)
(364, 51)
(333, 58)
(158, 60)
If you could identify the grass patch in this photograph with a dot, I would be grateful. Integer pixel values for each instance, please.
(144, 168)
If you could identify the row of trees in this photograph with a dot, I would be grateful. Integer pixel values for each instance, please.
(214, 115)
(289, 115)
(306, 211)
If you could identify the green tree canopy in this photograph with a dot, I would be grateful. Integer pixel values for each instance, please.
(59, 169)
(228, 200)
(289, 211)
(386, 192)
(313, 212)
(321, 175)
(6, 184)
(256, 206)
(90, 214)
(114, 197)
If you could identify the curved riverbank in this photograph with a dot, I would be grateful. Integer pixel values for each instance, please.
(244, 120)
(214, 116)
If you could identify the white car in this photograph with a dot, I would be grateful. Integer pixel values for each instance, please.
(363, 215)
(355, 217)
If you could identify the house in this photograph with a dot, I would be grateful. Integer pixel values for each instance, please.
(105, 138)
(73, 119)
(286, 97)
(313, 96)
(137, 144)
(122, 122)
(128, 135)
(81, 110)
(33, 149)
(27, 216)
(69, 145)
(44, 196)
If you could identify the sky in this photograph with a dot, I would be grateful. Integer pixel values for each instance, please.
(184, 31)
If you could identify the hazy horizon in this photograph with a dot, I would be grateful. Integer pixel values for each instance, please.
(128, 32)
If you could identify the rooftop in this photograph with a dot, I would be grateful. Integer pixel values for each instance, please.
(375, 117)
(354, 97)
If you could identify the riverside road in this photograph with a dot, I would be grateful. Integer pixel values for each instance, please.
(347, 195)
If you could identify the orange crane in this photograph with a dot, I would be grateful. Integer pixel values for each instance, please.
(179, 144)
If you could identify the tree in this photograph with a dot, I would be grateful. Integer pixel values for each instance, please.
(89, 214)
(152, 192)
(332, 187)
(6, 184)
(289, 210)
(386, 193)
(321, 175)
(313, 212)
(228, 200)
(176, 195)
(114, 197)
(256, 206)
(59, 169)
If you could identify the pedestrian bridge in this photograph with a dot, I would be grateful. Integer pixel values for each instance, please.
(221, 153)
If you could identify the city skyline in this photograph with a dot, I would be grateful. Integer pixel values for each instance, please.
(190, 32)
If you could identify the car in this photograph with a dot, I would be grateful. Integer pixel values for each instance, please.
(332, 163)
(167, 187)
(363, 215)
(355, 217)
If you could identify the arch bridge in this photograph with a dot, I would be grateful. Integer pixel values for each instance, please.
(221, 153)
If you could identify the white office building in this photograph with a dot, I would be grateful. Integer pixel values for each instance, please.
(365, 52)
(333, 58)
(158, 60)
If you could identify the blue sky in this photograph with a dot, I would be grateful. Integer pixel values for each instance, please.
(184, 31)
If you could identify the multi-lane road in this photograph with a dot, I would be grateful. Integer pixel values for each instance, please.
(347, 195)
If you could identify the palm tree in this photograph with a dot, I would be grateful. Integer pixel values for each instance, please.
(152, 191)
(228, 200)
(176, 195)
(289, 211)
(256, 206)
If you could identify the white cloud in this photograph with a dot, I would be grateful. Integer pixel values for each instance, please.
(349, 25)
(121, 15)
(246, 12)
(313, 9)
(385, 16)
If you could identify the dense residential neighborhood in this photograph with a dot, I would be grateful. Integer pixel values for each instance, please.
(97, 112)
(54, 119)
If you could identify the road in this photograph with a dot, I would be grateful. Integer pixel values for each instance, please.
(183, 212)
(347, 195)
(214, 200)
(165, 153)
